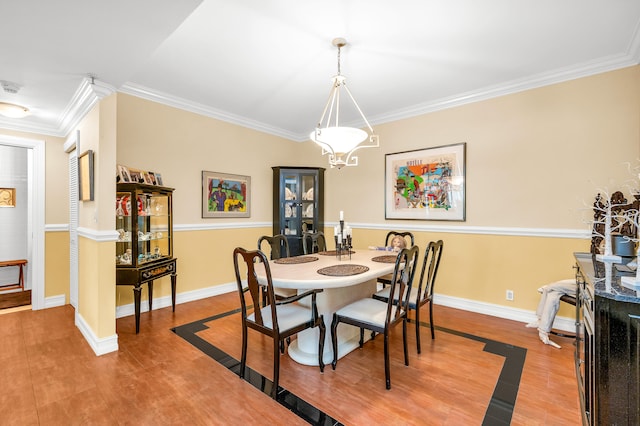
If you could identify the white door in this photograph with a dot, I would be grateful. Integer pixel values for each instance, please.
(70, 147)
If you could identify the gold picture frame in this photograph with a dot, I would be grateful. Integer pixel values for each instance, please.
(7, 197)
(85, 176)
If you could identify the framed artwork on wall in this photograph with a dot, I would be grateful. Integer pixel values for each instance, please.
(426, 184)
(225, 195)
(85, 176)
(7, 197)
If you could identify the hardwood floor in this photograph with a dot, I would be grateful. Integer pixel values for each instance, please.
(50, 375)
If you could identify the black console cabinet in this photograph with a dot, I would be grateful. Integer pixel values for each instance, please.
(607, 361)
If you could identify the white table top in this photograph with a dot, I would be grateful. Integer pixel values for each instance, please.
(305, 275)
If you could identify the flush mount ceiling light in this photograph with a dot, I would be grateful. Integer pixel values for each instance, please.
(13, 110)
(338, 141)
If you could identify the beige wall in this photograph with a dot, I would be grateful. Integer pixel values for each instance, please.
(56, 273)
(96, 274)
(534, 161)
(180, 145)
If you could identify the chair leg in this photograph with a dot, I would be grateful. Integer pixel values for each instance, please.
(276, 366)
(433, 335)
(361, 337)
(243, 355)
(323, 331)
(404, 341)
(387, 373)
(418, 328)
(334, 340)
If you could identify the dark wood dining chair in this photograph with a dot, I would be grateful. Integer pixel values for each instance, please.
(279, 319)
(571, 300)
(313, 242)
(278, 246)
(423, 293)
(378, 316)
(385, 280)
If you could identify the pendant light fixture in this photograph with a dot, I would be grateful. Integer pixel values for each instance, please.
(338, 141)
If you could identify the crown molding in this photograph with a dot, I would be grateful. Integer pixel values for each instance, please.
(183, 104)
(92, 91)
(89, 93)
(532, 82)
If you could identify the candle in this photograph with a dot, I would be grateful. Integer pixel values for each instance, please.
(341, 215)
(335, 230)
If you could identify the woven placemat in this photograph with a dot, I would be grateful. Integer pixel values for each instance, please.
(343, 270)
(385, 259)
(295, 260)
(333, 252)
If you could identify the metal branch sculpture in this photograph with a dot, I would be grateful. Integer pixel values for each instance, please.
(607, 212)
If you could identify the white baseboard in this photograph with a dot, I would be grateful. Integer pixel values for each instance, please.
(105, 345)
(100, 346)
(165, 301)
(55, 301)
(500, 311)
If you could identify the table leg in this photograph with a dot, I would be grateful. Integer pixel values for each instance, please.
(173, 291)
(304, 349)
(150, 285)
(136, 304)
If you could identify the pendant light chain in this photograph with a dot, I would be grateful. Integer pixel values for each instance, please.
(341, 142)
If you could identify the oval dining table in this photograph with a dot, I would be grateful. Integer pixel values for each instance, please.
(343, 280)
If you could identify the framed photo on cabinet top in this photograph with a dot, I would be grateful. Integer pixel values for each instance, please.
(426, 184)
(85, 176)
(225, 195)
(136, 176)
(123, 174)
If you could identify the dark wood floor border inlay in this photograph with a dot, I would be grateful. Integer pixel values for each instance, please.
(503, 400)
(499, 411)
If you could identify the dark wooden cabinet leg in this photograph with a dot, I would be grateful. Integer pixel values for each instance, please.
(150, 285)
(136, 304)
(174, 278)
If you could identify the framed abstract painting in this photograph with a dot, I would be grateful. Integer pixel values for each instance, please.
(225, 195)
(426, 184)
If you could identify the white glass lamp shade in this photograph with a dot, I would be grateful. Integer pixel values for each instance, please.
(342, 140)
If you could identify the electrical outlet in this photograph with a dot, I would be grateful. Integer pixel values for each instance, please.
(509, 294)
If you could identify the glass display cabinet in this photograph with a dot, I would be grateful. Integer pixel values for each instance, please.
(144, 248)
(298, 204)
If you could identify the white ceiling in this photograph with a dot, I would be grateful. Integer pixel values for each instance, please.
(268, 64)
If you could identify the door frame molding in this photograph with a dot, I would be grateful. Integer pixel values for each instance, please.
(36, 213)
(71, 147)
